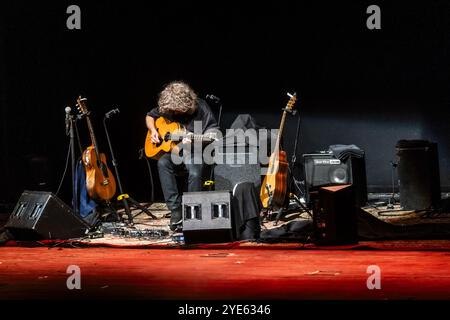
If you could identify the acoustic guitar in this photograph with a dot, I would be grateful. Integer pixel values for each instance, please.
(274, 186)
(100, 182)
(170, 133)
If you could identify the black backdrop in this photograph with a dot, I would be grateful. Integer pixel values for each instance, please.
(367, 87)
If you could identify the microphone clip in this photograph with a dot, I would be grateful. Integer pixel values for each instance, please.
(213, 98)
(111, 112)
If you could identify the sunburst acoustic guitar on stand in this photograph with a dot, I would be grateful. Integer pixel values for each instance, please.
(274, 185)
(100, 182)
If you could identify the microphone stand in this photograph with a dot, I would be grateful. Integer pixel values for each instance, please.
(70, 118)
(294, 181)
(124, 197)
(391, 202)
(219, 119)
(217, 101)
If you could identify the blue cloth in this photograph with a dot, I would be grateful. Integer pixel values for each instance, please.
(85, 205)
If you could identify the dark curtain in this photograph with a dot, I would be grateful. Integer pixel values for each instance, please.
(4, 178)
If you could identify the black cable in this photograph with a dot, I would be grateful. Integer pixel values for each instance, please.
(152, 186)
(65, 169)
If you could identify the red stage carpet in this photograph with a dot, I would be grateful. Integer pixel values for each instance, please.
(250, 273)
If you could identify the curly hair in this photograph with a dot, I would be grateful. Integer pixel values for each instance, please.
(177, 97)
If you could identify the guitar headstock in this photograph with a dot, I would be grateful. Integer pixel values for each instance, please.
(291, 102)
(81, 106)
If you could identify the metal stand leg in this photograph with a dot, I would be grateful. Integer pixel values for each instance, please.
(143, 209)
(123, 196)
(137, 205)
(281, 213)
(113, 211)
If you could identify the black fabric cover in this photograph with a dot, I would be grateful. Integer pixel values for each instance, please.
(240, 125)
(297, 230)
(245, 121)
(342, 151)
(369, 228)
(246, 207)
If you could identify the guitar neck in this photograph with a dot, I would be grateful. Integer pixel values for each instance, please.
(195, 137)
(280, 131)
(91, 133)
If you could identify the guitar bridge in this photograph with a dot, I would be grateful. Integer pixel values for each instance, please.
(105, 182)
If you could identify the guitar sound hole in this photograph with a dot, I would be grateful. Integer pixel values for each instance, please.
(167, 136)
(103, 168)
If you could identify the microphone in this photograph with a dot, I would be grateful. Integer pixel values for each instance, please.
(212, 97)
(111, 112)
(68, 110)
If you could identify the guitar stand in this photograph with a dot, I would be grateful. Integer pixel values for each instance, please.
(113, 211)
(139, 206)
(280, 213)
(283, 211)
(124, 197)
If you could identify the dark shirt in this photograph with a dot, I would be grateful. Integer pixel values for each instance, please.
(202, 113)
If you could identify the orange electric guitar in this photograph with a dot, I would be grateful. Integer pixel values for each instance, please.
(274, 186)
(170, 134)
(100, 182)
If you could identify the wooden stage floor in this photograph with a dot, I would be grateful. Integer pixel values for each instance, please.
(108, 273)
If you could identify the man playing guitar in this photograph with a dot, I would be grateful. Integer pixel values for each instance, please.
(179, 103)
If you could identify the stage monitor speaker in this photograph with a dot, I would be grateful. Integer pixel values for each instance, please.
(334, 215)
(41, 215)
(418, 173)
(207, 217)
(323, 169)
(237, 167)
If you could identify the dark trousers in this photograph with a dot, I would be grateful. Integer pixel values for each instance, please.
(167, 175)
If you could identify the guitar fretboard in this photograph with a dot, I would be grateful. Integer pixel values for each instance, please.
(195, 137)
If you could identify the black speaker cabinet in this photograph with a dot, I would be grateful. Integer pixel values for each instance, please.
(323, 169)
(418, 173)
(237, 167)
(207, 217)
(334, 215)
(41, 215)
